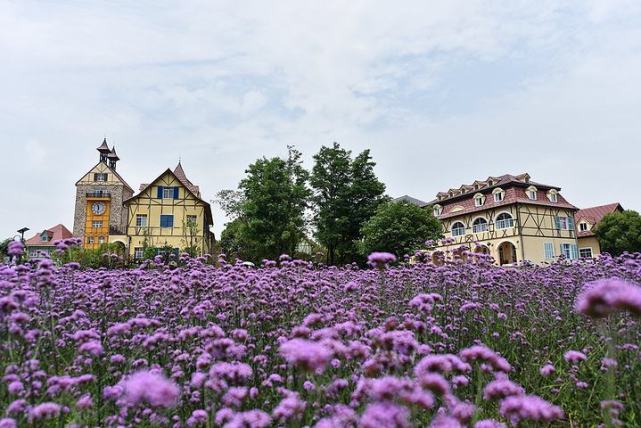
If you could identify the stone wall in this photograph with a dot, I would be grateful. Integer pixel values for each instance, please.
(117, 215)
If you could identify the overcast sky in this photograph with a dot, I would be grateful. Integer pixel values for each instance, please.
(442, 93)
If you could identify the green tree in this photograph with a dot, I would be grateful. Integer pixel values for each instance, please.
(620, 231)
(232, 242)
(346, 195)
(272, 205)
(4, 247)
(399, 228)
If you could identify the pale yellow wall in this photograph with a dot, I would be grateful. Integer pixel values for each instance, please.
(533, 226)
(590, 242)
(100, 168)
(176, 236)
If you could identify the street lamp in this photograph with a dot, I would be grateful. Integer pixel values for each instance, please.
(21, 232)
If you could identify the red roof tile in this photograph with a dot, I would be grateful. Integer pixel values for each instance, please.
(55, 233)
(594, 215)
(513, 195)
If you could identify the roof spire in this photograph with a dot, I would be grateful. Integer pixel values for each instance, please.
(103, 148)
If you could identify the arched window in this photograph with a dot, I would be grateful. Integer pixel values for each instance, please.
(479, 200)
(553, 195)
(499, 194)
(437, 210)
(479, 225)
(504, 221)
(531, 193)
(458, 229)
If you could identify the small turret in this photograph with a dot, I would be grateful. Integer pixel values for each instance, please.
(104, 151)
(113, 158)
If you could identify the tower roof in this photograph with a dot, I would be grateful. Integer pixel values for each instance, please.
(104, 148)
(179, 172)
(112, 154)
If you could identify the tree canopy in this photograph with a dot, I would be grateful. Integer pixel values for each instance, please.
(399, 228)
(268, 208)
(620, 231)
(346, 194)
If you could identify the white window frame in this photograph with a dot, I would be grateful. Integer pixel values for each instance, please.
(479, 200)
(438, 210)
(101, 240)
(168, 193)
(139, 253)
(553, 196)
(584, 249)
(484, 228)
(100, 177)
(139, 217)
(458, 228)
(548, 250)
(96, 224)
(583, 227)
(90, 240)
(572, 252)
(504, 223)
(499, 196)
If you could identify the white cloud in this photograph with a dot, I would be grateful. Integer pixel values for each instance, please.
(442, 93)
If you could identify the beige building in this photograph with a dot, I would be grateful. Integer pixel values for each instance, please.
(586, 221)
(169, 212)
(511, 218)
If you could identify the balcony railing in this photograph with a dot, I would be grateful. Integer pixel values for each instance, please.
(99, 194)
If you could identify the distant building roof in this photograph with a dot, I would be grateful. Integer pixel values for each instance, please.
(410, 200)
(55, 233)
(594, 215)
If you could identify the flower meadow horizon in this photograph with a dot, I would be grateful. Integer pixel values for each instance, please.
(454, 343)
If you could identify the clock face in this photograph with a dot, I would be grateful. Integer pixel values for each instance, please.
(98, 208)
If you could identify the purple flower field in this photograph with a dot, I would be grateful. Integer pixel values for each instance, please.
(294, 344)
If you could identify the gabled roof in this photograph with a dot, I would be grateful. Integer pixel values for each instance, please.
(122, 180)
(410, 200)
(188, 188)
(594, 215)
(55, 233)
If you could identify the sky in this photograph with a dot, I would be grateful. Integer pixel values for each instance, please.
(442, 93)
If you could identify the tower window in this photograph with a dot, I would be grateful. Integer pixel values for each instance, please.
(96, 224)
(100, 176)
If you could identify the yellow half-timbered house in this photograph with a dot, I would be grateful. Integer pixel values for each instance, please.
(169, 212)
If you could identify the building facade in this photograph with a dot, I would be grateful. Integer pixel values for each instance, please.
(169, 211)
(508, 217)
(42, 245)
(99, 217)
(586, 221)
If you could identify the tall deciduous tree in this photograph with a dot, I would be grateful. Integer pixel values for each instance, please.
(399, 228)
(620, 231)
(346, 194)
(269, 212)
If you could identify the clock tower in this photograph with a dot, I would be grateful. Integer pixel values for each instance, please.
(99, 216)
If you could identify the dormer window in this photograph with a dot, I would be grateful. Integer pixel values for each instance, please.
(583, 226)
(553, 196)
(499, 195)
(531, 193)
(437, 210)
(479, 200)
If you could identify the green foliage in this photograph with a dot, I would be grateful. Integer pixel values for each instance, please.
(4, 245)
(346, 195)
(269, 208)
(620, 231)
(107, 255)
(232, 243)
(399, 228)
